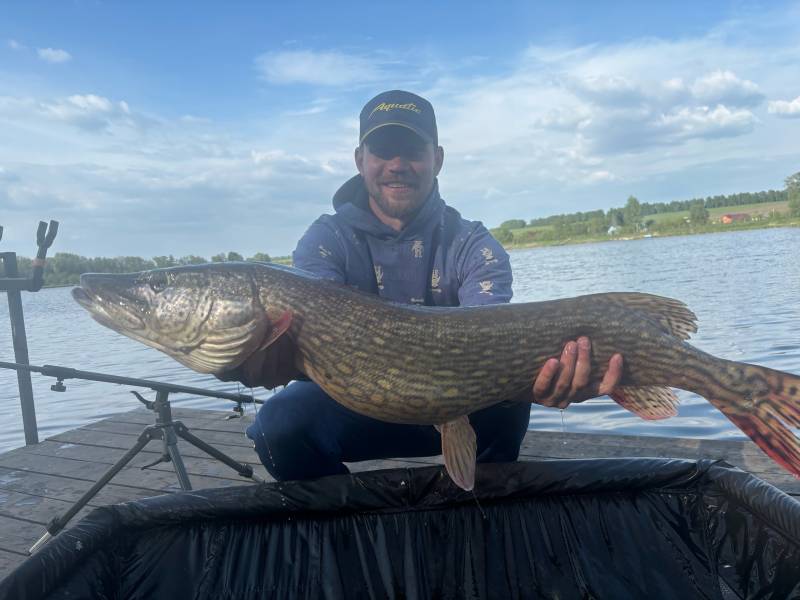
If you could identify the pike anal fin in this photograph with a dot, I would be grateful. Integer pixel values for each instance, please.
(648, 402)
(459, 449)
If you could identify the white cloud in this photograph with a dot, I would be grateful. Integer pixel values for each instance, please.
(596, 176)
(613, 91)
(330, 68)
(702, 121)
(89, 111)
(53, 55)
(786, 109)
(15, 45)
(724, 87)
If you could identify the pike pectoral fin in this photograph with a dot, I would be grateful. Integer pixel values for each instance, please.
(459, 448)
(648, 402)
(278, 328)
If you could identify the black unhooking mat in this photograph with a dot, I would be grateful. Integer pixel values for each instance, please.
(607, 528)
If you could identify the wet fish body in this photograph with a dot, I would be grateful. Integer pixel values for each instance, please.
(436, 365)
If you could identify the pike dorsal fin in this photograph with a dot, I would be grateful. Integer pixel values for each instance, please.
(672, 315)
(459, 449)
(648, 402)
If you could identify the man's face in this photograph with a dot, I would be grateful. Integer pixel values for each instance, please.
(398, 168)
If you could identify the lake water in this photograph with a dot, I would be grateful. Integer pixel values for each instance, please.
(743, 286)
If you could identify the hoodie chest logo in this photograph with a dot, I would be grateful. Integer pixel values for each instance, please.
(486, 287)
(417, 249)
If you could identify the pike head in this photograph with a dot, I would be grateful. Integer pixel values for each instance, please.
(207, 317)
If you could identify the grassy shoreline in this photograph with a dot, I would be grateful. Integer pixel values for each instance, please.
(710, 228)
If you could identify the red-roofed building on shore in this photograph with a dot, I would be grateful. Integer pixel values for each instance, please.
(729, 218)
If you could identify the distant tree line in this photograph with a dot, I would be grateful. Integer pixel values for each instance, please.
(616, 216)
(637, 217)
(64, 268)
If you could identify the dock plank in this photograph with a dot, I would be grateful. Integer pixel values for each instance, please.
(197, 463)
(57, 487)
(88, 471)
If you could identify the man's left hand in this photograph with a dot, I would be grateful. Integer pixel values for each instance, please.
(565, 380)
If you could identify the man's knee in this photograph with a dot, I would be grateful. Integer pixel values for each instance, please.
(285, 433)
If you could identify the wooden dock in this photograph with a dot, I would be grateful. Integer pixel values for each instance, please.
(42, 481)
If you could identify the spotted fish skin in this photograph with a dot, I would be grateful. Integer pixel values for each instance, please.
(433, 365)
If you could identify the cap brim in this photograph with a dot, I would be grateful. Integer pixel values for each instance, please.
(419, 132)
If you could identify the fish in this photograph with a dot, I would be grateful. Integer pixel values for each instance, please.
(437, 365)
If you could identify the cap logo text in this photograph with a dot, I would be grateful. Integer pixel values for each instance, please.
(386, 107)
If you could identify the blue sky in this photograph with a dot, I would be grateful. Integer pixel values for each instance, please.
(194, 128)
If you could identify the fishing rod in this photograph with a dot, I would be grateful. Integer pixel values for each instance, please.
(62, 373)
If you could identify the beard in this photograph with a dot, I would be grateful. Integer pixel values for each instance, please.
(403, 206)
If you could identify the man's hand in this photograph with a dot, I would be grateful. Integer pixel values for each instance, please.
(566, 380)
(270, 367)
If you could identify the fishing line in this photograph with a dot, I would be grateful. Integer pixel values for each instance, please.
(478, 504)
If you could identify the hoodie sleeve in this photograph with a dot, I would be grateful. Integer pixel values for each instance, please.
(320, 251)
(485, 270)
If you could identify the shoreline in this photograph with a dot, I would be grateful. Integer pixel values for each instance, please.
(790, 223)
(626, 238)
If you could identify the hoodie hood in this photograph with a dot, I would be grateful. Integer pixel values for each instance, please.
(351, 203)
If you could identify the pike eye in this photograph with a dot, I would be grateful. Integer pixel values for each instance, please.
(158, 282)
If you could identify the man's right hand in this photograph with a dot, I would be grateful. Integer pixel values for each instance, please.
(270, 367)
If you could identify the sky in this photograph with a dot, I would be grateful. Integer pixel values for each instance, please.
(155, 128)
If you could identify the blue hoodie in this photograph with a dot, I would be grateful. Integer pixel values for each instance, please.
(438, 259)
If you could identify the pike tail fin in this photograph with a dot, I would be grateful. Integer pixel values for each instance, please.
(764, 404)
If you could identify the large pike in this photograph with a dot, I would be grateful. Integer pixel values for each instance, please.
(425, 365)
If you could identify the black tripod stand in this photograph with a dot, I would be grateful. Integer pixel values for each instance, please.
(165, 429)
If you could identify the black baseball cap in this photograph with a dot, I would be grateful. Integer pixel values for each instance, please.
(400, 108)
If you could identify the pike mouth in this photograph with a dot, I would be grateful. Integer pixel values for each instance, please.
(81, 297)
(122, 320)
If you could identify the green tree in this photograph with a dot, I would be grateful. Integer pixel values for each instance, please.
(793, 191)
(597, 225)
(192, 259)
(632, 211)
(513, 224)
(504, 236)
(260, 257)
(165, 261)
(221, 257)
(615, 217)
(698, 214)
(234, 257)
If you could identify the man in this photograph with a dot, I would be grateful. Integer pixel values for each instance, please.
(394, 236)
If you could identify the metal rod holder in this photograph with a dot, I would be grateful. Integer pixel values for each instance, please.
(168, 431)
(13, 285)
